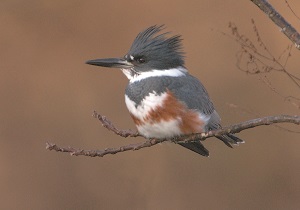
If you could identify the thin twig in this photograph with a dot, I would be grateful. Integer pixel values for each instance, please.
(294, 13)
(256, 59)
(106, 123)
(151, 142)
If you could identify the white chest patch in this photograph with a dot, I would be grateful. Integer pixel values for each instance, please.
(148, 104)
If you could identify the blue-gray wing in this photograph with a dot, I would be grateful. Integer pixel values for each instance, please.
(190, 90)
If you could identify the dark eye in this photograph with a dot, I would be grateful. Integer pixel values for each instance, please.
(141, 60)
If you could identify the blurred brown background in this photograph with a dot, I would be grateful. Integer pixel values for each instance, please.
(49, 94)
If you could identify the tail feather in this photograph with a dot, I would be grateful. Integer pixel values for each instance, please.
(230, 139)
(226, 140)
(196, 147)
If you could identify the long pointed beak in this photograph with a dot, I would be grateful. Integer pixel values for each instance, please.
(111, 63)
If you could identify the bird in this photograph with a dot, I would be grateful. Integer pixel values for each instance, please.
(162, 97)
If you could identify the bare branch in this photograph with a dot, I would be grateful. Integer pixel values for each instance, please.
(101, 153)
(284, 26)
(243, 110)
(151, 142)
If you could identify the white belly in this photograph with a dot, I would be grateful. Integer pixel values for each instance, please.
(163, 129)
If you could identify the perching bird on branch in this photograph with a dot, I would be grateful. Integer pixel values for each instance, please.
(163, 99)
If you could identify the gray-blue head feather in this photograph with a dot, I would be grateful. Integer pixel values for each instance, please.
(154, 50)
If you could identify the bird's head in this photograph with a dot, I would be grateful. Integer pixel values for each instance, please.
(150, 51)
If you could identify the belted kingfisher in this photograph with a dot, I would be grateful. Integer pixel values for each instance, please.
(163, 99)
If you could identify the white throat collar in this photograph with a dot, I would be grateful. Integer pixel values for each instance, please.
(134, 76)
